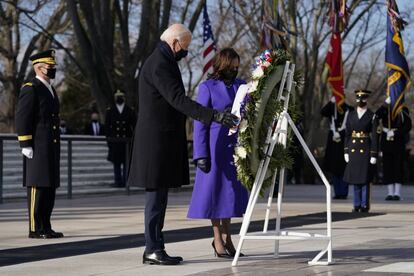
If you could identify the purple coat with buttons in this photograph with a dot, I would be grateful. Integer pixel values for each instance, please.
(217, 194)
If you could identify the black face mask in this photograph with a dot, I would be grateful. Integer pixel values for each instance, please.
(181, 54)
(229, 75)
(62, 126)
(120, 100)
(95, 121)
(362, 104)
(51, 73)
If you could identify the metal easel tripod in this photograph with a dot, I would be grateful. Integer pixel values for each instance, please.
(277, 133)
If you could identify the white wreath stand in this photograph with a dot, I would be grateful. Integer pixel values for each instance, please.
(275, 135)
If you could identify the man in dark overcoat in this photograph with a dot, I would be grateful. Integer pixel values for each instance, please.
(94, 127)
(37, 125)
(334, 152)
(120, 121)
(361, 150)
(159, 158)
(392, 146)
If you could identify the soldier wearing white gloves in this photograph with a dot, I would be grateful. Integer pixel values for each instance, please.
(360, 153)
(392, 146)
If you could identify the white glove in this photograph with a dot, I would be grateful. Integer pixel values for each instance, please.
(336, 137)
(390, 134)
(333, 100)
(373, 160)
(388, 100)
(28, 152)
(346, 157)
(385, 129)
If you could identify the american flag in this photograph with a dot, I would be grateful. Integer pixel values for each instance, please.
(209, 46)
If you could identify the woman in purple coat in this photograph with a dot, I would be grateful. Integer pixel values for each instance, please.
(217, 194)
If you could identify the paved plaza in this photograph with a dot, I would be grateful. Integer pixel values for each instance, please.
(104, 236)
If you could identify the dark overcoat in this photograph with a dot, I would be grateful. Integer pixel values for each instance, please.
(334, 152)
(159, 156)
(37, 125)
(361, 143)
(119, 128)
(393, 150)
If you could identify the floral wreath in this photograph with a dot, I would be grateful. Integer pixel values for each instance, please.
(258, 109)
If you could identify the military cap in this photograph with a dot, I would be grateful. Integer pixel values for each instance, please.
(47, 57)
(362, 93)
(119, 93)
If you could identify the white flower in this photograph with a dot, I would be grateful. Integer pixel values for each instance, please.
(253, 86)
(241, 152)
(236, 158)
(266, 64)
(257, 73)
(243, 126)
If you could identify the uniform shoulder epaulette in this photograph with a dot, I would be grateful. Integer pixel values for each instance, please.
(28, 84)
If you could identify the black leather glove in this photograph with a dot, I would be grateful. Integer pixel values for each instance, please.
(204, 164)
(225, 118)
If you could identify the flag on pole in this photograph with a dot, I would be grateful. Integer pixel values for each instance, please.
(398, 80)
(209, 45)
(334, 66)
(338, 19)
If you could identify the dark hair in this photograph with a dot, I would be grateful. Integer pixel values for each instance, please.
(222, 61)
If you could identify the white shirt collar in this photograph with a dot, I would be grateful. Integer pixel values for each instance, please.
(46, 84)
(120, 107)
(361, 111)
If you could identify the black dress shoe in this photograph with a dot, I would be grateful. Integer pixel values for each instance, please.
(178, 258)
(336, 197)
(36, 235)
(356, 210)
(55, 235)
(389, 197)
(40, 235)
(159, 258)
(364, 210)
(396, 197)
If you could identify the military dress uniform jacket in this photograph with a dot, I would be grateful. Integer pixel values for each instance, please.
(37, 125)
(333, 160)
(119, 131)
(401, 126)
(361, 143)
(159, 151)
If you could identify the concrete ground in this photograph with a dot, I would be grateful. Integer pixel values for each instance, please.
(104, 236)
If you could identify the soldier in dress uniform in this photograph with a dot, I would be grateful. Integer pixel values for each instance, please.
(333, 161)
(392, 147)
(37, 125)
(361, 142)
(120, 122)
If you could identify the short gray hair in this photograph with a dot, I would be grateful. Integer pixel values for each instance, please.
(175, 31)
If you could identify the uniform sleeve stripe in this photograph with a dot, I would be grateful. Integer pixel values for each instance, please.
(24, 137)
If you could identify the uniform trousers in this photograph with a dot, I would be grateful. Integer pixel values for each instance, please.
(120, 174)
(40, 203)
(393, 167)
(155, 207)
(361, 194)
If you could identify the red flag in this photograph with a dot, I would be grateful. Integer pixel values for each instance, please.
(334, 65)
